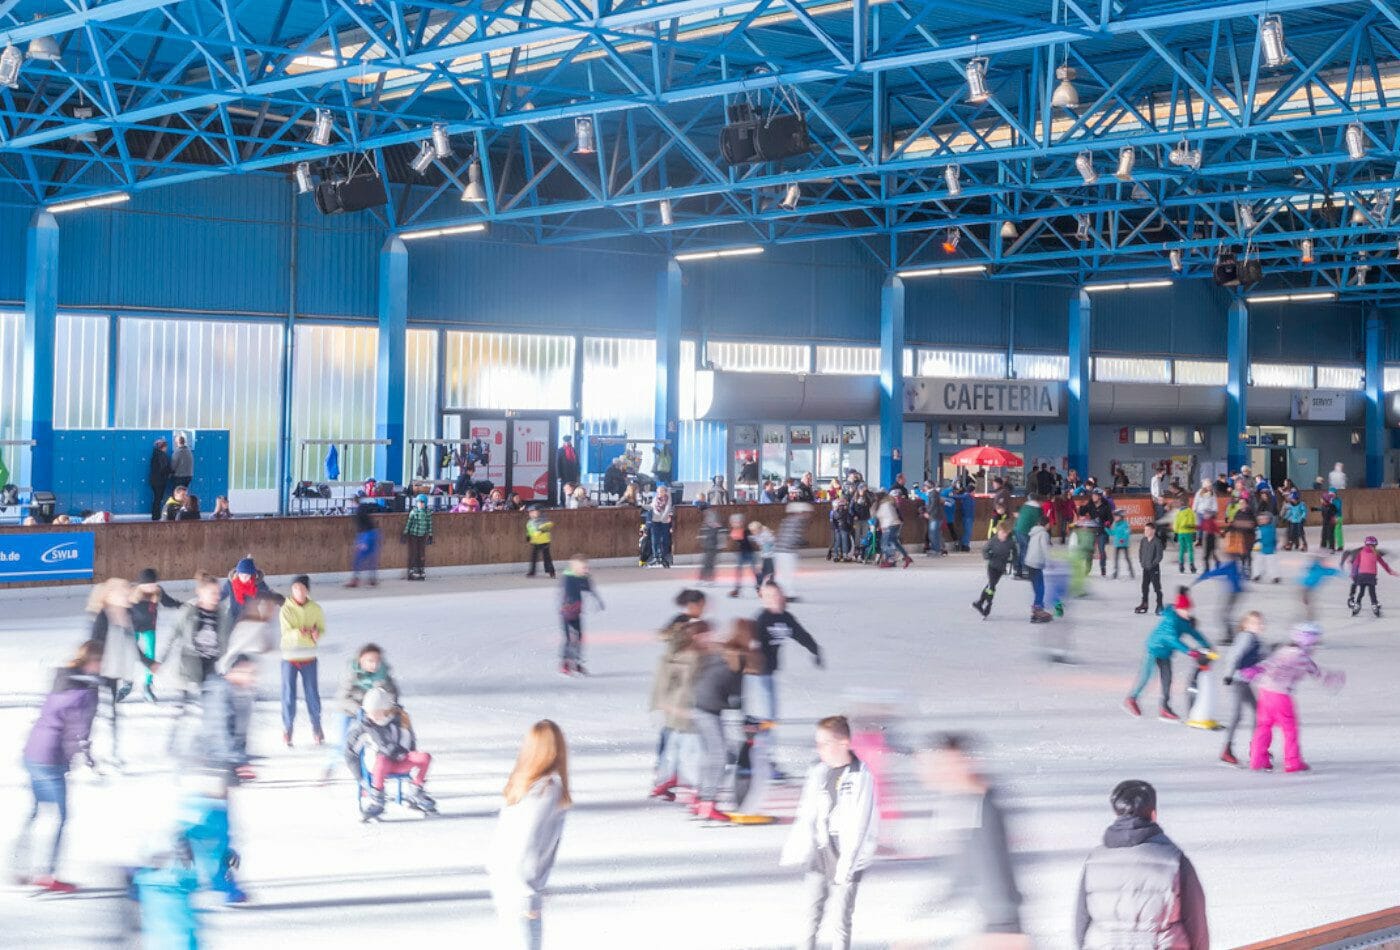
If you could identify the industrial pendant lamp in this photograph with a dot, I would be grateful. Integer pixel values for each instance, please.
(1140, 192)
(442, 144)
(1008, 231)
(950, 240)
(423, 159)
(44, 48)
(1084, 162)
(1271, 42)
(1127, 158)
(11, 61)
(321, 130)
(1066, 96)
(1174, 258)
(976, 73)
(950, 175)
(1184, 156)
(82, 112)
(792, 197)
(668, 216)
(1083, 232)
(474, 192)
(1306, 249)
(303, 178)
(1355, 137)
(584, 141)
(1246, 216)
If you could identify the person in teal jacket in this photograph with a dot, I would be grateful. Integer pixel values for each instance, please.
(1268, 548)
(1119, 534)
(1162, 643)
(1295, 513)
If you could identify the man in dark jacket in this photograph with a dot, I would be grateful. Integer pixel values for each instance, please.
(566, 464)
(1150, 550)
(1100, 510)
(1138, 889)
(158, 477)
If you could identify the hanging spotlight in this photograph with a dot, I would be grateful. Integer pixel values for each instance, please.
(11, 61)
(1184, 156)
(442, 145)
(1140, 192)
(976, 73)
(1246, 216)
(792, 196)
(950, 240)
(1008, 231)
(1127, 158)
(1084, 161)
(668, 216)
(1083, 231)
(1356, 141)
(321, 130)
(82, 113)
(474, 192)
(1174, 257)
(44, 48)
(1066, 96)
(303, 178)
(1271, 42)
(584, 141)
(1306, 247)
(423, 159)
(1357, 215)
(950, 175)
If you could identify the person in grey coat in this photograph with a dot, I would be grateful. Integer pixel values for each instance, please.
(181, 463)
(1138, 888)
(228, 710)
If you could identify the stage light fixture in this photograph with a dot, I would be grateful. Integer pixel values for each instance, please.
(1008, 231)
(1305, 248)
(1084, 162)
(1083, 231)
(951, 237)
(950, 175)
(976, 73)
(1184, 156)
(302, 175)
(1355, 137)
(82, 113)
(792, 197)
(442, 142)
(584, 141)
(668, 216)
(1127, 158)
(1174, 257)
(1271, 42)
(321, 129)
(423, 159)
(11, 61)
(1246, 216)
(44, 48)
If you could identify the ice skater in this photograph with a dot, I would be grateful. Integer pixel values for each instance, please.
(383, 739)
(775, 626)
(1364, 561)
(1268, 548)
(190, 658)
(1150, 550)
(1249, 649)
(539, 533)
(1162, 643)
(418, 534)
(1276, 677)
(745, 553)
(1184, 524)
(1119, 534)
(997, 552)
(711, 542)
(303, 624)
(147, 599)
(672, 692)
(577, 582)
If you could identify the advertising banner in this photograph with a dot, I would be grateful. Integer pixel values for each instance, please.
(1319, 405)
(42, 556)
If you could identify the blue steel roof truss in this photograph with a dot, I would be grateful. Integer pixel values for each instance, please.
(182, 90)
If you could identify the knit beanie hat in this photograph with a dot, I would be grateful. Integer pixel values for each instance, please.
(148, 575)
(1183, 601)
(246, 566)
(303, 580)
(1306, 635)
(377, 700)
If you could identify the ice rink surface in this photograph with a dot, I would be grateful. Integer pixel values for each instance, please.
(476, 657)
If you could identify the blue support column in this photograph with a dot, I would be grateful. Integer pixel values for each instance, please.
(392, 367)
(668, 360)
(1375, 399)
(40, 327)
(1081, 315)
(1237, 386)
(891, 380)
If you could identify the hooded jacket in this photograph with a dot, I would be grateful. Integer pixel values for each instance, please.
(393, 740)
(65, 720)
(1166, 637)
(1285, 668)
(1184, 522)
(1139, 892)
(184, 647)
(359, 681)
(1038, 548)
(851, 821)
(673, 687)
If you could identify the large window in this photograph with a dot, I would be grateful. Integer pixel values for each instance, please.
(1341, 377)
(1049, 366)
(619, 388)
(1392, 379)
(333, 395)
(11, 390)
(1123, 369)
(1281, 375)
(758, 357)
(508, 371)
(849, 360)
(80, 372)
(1202, 372)
(420, 396)
(202, 374)
(961, 364)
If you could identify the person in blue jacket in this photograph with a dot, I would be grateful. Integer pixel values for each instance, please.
(967, 509)
(1165, 640)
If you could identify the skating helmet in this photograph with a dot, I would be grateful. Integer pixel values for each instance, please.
(1306, 635)
(1371, 540)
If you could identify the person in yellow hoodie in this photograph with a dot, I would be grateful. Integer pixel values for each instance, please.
(539, 533)
(1184, 524)
(303, 625)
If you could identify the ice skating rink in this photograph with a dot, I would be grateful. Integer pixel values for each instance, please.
(476, 657)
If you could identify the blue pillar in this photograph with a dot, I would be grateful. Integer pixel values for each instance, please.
(1375, 399)
(891, 380)
(392, 367)
(40, 327)
(668, 360)
(1237, 385)
(1081, 314)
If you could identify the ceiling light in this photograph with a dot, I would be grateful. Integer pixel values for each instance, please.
(442, 232)
(1306, 249)
(442, 144)
(1065, 95)
(115, 198)
(474, 192)
(303, 178)
(1291, 298)
(1140, 192)
(1397, 249)
(1008, 231)
(950, 175)
(584, 141)
(1174, 257)
(726, 252)
(1127, 158)
(951, 237)
(321, 130)
(792, 197)
(1271, 42)
(1361, 270)
(1082, 232)
(1184, 156)
(44, 48)
(1246, 216)
(1126, 285)
(668, 216)
(83, 113)
(1355, 138)
(1358, 216)
(1084, 161)
(11, 61)
(943, 271)
(976, 73)
(423, 159)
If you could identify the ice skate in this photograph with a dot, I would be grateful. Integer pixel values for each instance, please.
(1140, 608)
(1228, 758)
(422, 801)
(372, 806)
(1376, 609)
(1131, 705)
(1355, 609)
(1166, 715)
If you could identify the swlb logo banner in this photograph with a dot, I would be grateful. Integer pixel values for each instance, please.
(41, 556)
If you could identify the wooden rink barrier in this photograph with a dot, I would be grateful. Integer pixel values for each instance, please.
(322, 544)
(1377, 931)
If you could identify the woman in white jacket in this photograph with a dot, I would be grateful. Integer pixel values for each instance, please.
(527, 834)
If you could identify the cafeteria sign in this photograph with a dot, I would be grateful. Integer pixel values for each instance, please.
(969, 397)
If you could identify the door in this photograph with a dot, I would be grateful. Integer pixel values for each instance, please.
(486, 441)
(529, 459)
(1278, 466)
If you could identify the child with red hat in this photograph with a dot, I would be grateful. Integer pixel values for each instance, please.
(1165, 640)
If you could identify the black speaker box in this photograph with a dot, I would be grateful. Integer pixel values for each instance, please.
(352, 194)
(782, 136)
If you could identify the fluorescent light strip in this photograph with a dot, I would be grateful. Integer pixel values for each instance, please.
(1127, 285)
(943, 271)
(115, 198)
(711, 255)
(442, 232)
(1291, 298)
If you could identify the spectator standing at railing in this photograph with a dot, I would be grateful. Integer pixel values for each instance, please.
(182, 463)
(662, 512)
(158, 476)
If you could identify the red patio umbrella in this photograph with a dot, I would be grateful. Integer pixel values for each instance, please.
(986, 456)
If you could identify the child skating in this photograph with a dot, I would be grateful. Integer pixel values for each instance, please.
(577, 582)
(386, 741)
(1184, 525)
(1365, 560)
(997, 552)
(1249, 650)
(1268, 548)
(418, 534)
(1165, 640)
(1150, 551)
(1119, 534)
(539, 533)
(1276, 678)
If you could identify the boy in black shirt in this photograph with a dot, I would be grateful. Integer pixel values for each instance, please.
(998, 552)
(775, 625)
